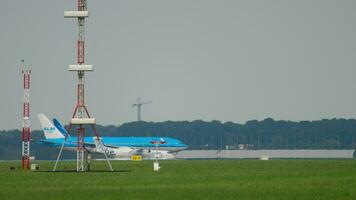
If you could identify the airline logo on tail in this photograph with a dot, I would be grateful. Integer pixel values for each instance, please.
(50, 131)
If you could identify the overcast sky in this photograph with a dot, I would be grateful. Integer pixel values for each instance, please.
(234, 60)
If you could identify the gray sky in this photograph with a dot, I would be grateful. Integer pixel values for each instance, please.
(195, 59)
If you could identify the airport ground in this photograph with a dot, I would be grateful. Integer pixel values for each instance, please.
(185, 179)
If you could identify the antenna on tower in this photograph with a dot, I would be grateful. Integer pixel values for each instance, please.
(138, 105)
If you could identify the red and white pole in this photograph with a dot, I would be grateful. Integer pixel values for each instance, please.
(81, 115)
(26, 132)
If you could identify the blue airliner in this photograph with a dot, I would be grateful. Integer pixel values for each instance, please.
(116, 147)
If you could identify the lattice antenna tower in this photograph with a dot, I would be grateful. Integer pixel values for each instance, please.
(26, 131)
(81, 116)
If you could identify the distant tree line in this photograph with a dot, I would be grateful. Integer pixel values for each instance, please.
(198, 134)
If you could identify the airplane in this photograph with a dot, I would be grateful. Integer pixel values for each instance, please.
(114, 147)
(124, 152)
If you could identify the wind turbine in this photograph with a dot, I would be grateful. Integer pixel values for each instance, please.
(138, 105)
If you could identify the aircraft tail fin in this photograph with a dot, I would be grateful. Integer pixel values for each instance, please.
(99, 146)
(59, 126)
(50, 131)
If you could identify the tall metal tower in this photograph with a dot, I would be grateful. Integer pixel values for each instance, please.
(80, 115)
(138, 105)
(26, 132)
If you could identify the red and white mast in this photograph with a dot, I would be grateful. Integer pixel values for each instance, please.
(26, 132)
(80, 115)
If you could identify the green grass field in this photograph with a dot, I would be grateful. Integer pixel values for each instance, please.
(186, 179)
